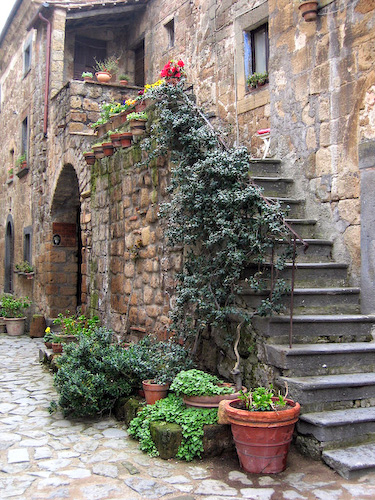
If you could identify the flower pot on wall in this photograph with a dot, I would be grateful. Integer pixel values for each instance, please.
(154, 392)
(98, 151)
(90, 158)
(108, 149)
(262, 438)
(309, 10)
(126, 139)
(103, 76)
(138, 127)
(15, 326)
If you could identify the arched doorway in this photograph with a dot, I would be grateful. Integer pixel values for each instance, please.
(65, 255)
(9, 255)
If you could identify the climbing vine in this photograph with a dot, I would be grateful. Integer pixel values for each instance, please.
(217, 215)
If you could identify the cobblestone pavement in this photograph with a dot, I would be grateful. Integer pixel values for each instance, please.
(48, 457)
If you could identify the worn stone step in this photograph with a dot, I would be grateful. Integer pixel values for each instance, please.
(314, 328)
(311, 274)
(321, 359)
(329, 388)
(351, 462)
(319, 250)
(274, 185)
(338, 426)
(305, 228)
(310, 300)
(292, 207)
(267, 167)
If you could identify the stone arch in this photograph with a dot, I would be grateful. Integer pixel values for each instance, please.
(9, 255)
(64, 276)
(366, 163)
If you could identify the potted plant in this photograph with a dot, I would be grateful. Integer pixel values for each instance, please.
(22, 162)
(155, 364)
(201, 389)
(125, 139)
(173, 71)
(13, 312)
(257, 79)
(87, 76)
(57, 347)
(137, 122)
(124, 79)
(108, 148)
(106, 69)
(89, 157)
(10, 173)
(98, 150)
(262, 426)
(24, 268)
(309, 9)
(48, 337)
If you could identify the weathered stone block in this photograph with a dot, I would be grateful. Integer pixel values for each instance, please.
(126, 409)
(167, 438)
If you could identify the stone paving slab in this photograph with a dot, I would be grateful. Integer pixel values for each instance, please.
(45, 456)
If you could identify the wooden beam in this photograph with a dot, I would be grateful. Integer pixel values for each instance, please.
(107, 11)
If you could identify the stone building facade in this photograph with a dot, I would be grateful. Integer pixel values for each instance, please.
(319, 104)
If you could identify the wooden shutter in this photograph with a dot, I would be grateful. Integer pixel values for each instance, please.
(86, 51)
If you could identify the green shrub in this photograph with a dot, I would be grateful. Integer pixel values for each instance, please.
(77, 325)
(92, 375)
(173, 410)
(13, 307)
(198, 383)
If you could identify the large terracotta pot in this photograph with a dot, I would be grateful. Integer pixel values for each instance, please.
(15, 326)
(309, 10)
(262, 438)
(126, 139)
(138, 127)
(103, 76)
(154, 392)
(210, 401)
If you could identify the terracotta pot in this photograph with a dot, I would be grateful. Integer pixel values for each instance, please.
(48, 345)
(115, 138)
(15, 326)
(210, 401)
(57, 347)
(90, 158)
(171, 80)
(66, 339)
(37, 326)
(88, 79)
(103, 76)
(154, 392)
(108, 148)
(98, 152)
(138, 127)
(309, 10)
(124, 82)
(262, 438)
(140, 106)
(126, 139)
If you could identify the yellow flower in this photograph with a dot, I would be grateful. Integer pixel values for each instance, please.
(47, 330)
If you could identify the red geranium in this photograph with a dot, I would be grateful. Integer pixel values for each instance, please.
(173, 69)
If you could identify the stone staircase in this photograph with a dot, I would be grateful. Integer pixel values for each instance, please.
(330, 369)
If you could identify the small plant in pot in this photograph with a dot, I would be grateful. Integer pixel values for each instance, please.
(13, 312)
(257, 79)
(137, 122)
(262, 427)
(201, 389)
(124, 79)
(48, 337)
(87, 76)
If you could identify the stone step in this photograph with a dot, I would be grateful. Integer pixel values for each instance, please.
(293, 208)
(275, 185)
(312, 274)
(311, 300)
(311, 392)
(305, 228)
(333, 428)
(351, 462)
(319, 250)
(317, 328)
(322, 359)
(267, 167)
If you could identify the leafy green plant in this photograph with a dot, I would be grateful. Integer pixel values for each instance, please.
(87, 74)
(21, 159)
(24, 267)
(218, 215)
(48, 335)
(257, 79)
(92, 375)
(110, 64)
(77, 325)
(157, 360)
(13, 307)
(141, 115)
(123, 76)
(262, 399)
(198, 383)
(173, 410)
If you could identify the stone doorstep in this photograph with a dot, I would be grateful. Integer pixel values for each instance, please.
(351, 462)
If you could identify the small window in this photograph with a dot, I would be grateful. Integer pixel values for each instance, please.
(170, 31)
(256, 48)
(27, 57)
(27, 244)
(25, 137)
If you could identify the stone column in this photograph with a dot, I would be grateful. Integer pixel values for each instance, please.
(366, 154)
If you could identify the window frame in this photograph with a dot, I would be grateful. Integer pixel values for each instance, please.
(170, 28)
(27, 55)
(28, 244)
(249, 49)
(25, 136)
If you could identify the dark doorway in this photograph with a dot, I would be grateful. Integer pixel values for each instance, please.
(86, 52)
(139, 57)
(9, 255)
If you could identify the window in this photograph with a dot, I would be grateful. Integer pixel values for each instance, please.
(25, 137)
(27, 56)
(170, 31)
(256, 49)
(27, 244)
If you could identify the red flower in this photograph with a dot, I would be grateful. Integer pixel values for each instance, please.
(181, 63)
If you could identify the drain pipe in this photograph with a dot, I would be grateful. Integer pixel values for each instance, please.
(48, 58)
